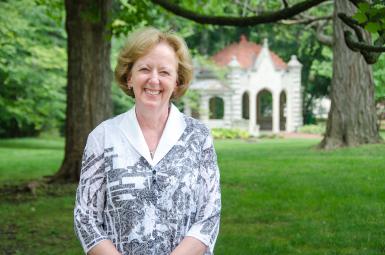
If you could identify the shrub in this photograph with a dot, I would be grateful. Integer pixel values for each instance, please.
(313, 129)
(227, 133)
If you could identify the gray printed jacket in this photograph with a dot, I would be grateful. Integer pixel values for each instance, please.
(148, 205)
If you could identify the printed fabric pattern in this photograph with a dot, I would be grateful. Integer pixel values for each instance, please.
(146, 209)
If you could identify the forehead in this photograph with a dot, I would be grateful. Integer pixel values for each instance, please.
(162, 54)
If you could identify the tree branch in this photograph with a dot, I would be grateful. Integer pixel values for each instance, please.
(362, 46)
(321, 37)
(268, 17)
(369, 52)
(353, 24)
(305, 21)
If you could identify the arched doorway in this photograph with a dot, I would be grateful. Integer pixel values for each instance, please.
(245, 106)
(216, 107)
(265, 110)
(282, 111)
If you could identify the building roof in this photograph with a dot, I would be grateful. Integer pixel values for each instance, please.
(246, 52)
(209, 84)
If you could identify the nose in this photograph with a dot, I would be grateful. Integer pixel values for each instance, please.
(154, 78)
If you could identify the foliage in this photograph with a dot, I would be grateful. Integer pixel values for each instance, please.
(379, 79)
(32, 69)
(278, 197)
(130, 14)
(120, 101)
(371, 16)
(227, 133)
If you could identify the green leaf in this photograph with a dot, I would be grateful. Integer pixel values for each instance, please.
(372, 27)
(363, 7)
(360, 17)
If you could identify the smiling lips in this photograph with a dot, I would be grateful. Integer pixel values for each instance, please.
(152, 92)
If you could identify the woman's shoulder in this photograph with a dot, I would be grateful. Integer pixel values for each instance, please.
(109, 126)
(195, 125)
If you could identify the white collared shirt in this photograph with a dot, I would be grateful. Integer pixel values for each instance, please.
(147, 205)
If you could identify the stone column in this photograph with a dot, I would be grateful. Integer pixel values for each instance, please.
(289, 118)
(227, 110)
(275, 96)
(294, 95)
(235, 112)
(204, 109)
(252, 113)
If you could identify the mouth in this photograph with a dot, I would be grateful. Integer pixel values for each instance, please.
(152, 92)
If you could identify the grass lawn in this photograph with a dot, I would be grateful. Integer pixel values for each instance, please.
(279, 197)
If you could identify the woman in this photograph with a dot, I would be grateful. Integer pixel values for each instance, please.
(149, 181)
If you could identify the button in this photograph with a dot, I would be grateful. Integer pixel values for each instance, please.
(153, 172)
(153, 181)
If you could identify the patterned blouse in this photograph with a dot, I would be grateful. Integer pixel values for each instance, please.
(147, 205)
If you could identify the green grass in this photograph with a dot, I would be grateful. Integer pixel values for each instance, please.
(278, 196)
(29, 158)
(285, 197)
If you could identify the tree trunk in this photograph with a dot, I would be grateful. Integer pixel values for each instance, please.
(89, 78)
(352, 118)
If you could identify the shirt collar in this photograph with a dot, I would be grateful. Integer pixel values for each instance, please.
(174, 128)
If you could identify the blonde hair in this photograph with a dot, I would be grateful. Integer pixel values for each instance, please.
(139, 43)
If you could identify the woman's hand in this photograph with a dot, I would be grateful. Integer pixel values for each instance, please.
(190, 246)
(103, 248)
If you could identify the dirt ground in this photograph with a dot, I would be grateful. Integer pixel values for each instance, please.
(300, 135)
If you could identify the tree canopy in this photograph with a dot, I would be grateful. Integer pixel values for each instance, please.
(32, 68)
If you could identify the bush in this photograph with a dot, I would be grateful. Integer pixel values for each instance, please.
(227, 133)
(313, 129)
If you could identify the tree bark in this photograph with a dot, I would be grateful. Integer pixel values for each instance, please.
(352, 118)
(89, 78)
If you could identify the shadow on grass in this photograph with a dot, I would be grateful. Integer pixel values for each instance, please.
(34, 190)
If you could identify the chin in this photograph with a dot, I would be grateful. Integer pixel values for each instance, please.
(153, 105)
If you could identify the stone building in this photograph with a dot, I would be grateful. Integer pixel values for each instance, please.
(260, 93)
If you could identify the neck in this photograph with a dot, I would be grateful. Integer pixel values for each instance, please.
(152, 124)
(152, 120)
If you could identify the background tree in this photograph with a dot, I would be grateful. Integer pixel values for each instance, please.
(352, 118)
(88, 80)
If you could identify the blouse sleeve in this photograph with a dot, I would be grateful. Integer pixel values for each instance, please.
(206, 226)
(90, 196)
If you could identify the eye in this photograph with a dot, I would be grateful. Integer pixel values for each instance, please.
(144, 69)
(164, 73)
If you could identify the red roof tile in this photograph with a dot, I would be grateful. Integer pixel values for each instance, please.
(245, 52)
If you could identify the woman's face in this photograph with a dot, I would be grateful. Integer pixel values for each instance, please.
(154, 78)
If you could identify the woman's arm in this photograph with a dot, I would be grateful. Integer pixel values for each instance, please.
(103, 248)
(206, 226)
(90, 197)
(190, 246)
